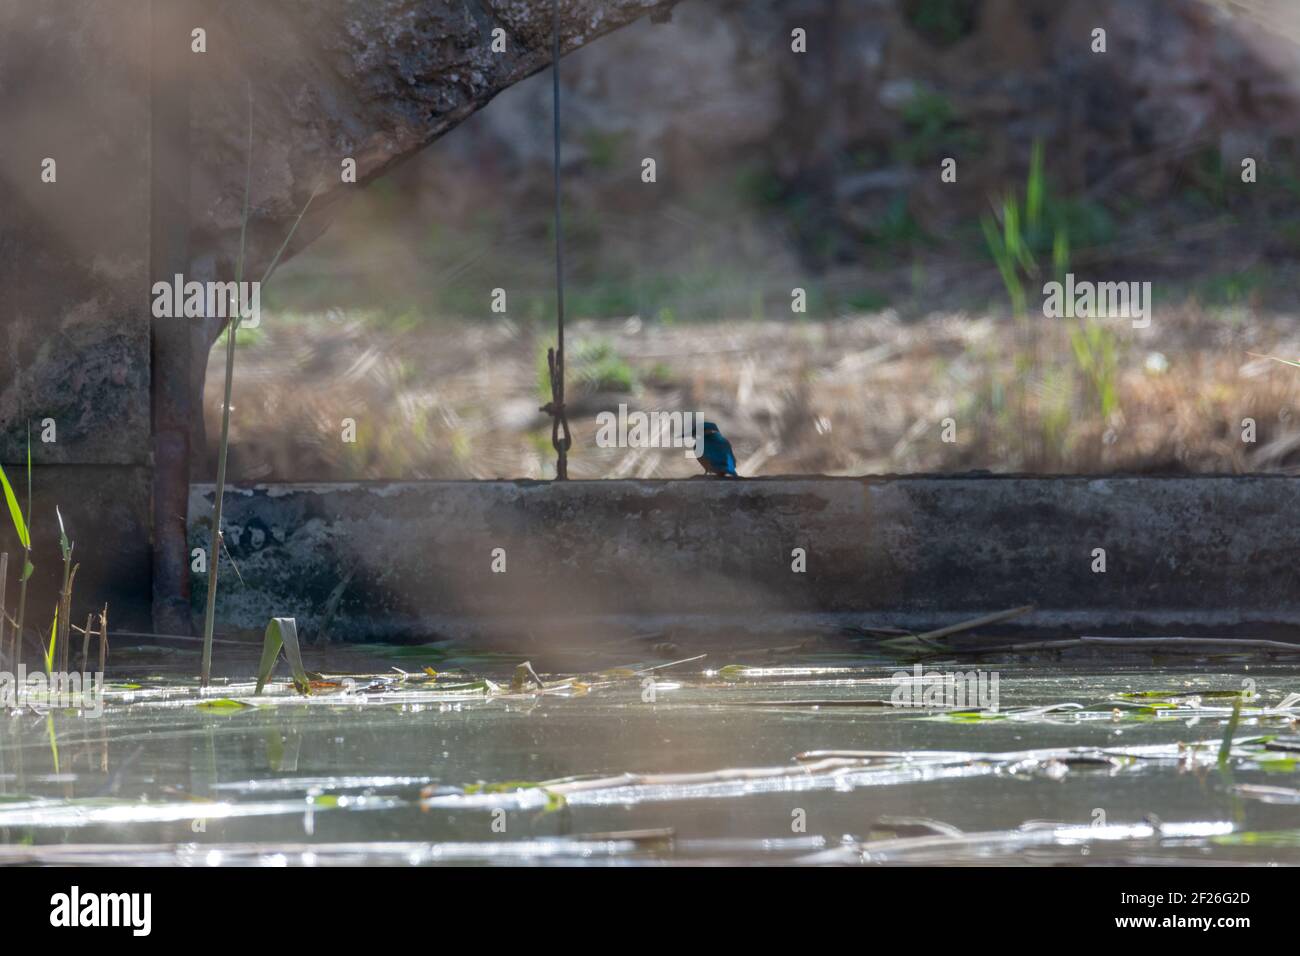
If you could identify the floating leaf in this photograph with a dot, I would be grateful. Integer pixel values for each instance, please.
(618, 673)
(973, 716)
(223, 705)
(54, 743)
(1177, 695)
(1266, 838)
(1278, 765)
(464, 687)
(505, 786)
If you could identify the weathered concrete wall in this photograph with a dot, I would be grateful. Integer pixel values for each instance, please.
(74, 252)
(74, 315)
(601, 560)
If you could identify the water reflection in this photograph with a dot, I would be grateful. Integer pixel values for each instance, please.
(791, 764)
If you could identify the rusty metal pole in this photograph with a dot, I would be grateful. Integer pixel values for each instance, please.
(170, 348)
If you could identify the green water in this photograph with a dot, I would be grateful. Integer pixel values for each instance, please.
(418, 771)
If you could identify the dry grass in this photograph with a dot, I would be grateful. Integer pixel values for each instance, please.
(858, 395)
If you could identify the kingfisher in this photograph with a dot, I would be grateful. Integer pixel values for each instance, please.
(717, 457)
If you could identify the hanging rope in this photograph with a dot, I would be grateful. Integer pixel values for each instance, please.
(561, 439)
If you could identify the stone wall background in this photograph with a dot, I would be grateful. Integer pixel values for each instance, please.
(772, 164)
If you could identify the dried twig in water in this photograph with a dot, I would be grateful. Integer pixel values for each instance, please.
(523, 674)
(85, 641)
(103, 639)
(930, 640)
(661, 667)
(63, 612)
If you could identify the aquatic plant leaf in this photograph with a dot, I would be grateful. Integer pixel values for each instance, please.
(15, 512)
(65, 546)
(1266, 838)
(1175, 695)
(223, 705)
(972, 716)
(1035, 187)
(54, 743)
(483, 685)
(504, 786)
(1225, 749)
(282, 632)
(54, 638)
(619, 673)
(523, 676)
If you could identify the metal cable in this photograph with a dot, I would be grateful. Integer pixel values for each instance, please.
(561, 439)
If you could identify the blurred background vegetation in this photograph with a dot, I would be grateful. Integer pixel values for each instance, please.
(821, 171)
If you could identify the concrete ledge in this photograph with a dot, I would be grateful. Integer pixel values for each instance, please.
(597, 560)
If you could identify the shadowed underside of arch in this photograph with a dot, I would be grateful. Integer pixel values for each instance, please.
(126, 131)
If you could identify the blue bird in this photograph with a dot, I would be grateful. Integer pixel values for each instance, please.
(717, 457)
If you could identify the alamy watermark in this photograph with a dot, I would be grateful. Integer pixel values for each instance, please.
(1073, 299)
(57, 691)
(947, 691)
(133, 911)
(212, 300)
(650, 430)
